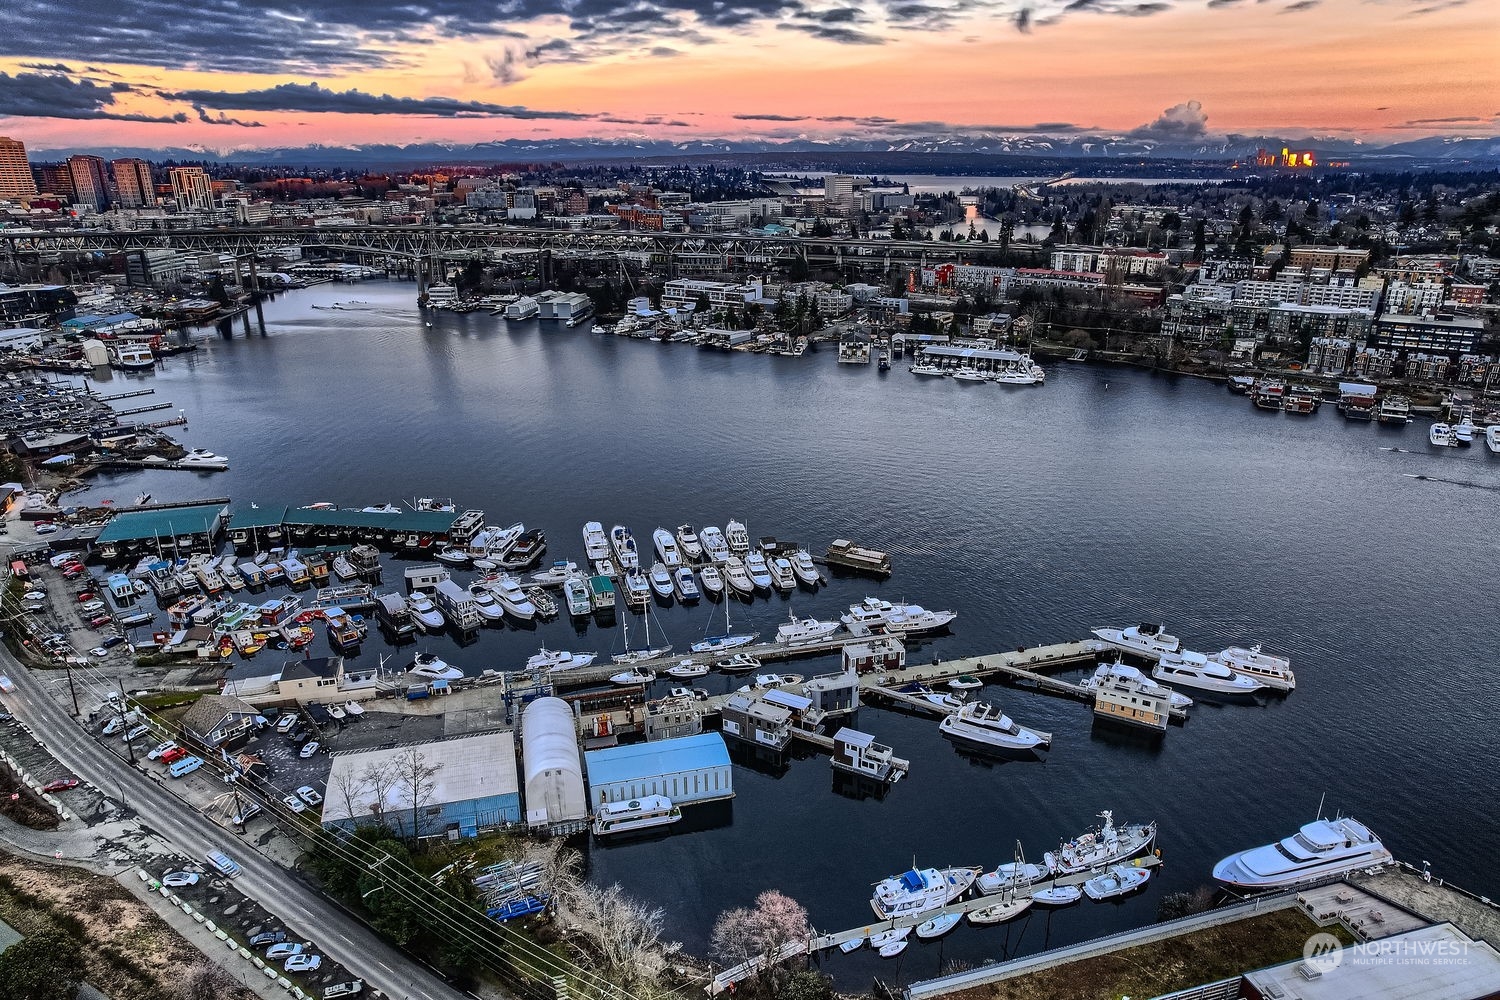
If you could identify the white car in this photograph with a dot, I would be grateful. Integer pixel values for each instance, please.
(99, 651)
(293, 803)
(303, 963)
(91, 606)
(179, 880)
(343, 989)
(223, 863)
(35, 594)
(114, 725)
(160, 749)
(285, 950)
(309, 794)
(6, 685)
(135, 733)
(308, 750)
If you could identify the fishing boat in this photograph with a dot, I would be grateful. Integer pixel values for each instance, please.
(666, 548)
(558, 659)
(725, 640)
(687, 670)
(760, 573)
(737, 538)
(686, 587)
(689, 543)
(917, 891)
(803, 631)
(623, 543)
(344, 569)
(646, 813)
(576, 593)
(660, 578)
(738, 579)
(714, 545)
(511, 597)
(431, 667)
(712, 579)
(984, 726)
(1118, 881)
(739, 663)
(782, 576)
(936, 927)
(635, 675)
(1152, 640)
(426, 614)
(1057, 895)
(595, 541)
(805, 569)
(1104, 846)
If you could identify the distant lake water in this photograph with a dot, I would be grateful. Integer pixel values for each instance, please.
(1107, 496)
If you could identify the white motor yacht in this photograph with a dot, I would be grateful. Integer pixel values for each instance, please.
(982, 725)
(512, 598)
(1108, 673)
(801, 631)
(200, 458)
(1441, 436)
(558, 659)
(909, 619)
(1463, 432)
(661, 579)
(1492, 438)
(915, 891)
(805, 569)
(1118, 881)
(666, 548)
(1194, 670)
(685, 585)
(595, 541)
(714, 545)
(737, 538)
(1014, 376)
(738, 578)
(926, 369)
(760, 573)
(554, 575)
(782, 577)
(452, 556)
(712, 580)
(1011, 875)
(424, 611)
(1104, 846)
(739, 663)
(624, 545)
(1152, 640)
(635, 675)
(688, 543)
(968, 375)
(430, 667)
(1273, 671)
(1322, 848)
(688, 670)
(486, 604)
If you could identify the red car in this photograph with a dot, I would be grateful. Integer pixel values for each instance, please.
(173, 756)
(60, 785)
(87, 595)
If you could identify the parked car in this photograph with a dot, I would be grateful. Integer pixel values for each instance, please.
(99, 621)
(348, 989)
(99, 651)
(114, 725)
(35, 594)
(265, 938)
(89, 607)
(135, 733)
(309, 794)
(308, 749)
(87, 595)
(185, 766)
(303, 963)
(298, 735)
(286, 723)
(173, 755)
(221, 861)
(179, 880)
(161, 749)
(283, 950)
(112, 641)
(241, 818)
(60, 785)
(293, 803)
(42, 528)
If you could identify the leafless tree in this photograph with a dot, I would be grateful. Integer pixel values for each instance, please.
(624, 936)
(379, 778)
(562, 872)
(418, 779)
(348, 790)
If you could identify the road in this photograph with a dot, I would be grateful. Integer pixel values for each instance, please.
(305, 913)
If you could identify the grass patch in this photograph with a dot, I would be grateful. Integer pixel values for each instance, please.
(1177, 963)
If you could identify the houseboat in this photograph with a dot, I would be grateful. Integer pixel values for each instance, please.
(645, 813)
(842, 552)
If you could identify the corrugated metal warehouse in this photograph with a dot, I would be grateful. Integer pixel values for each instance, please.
(686, 770)
(553, 765)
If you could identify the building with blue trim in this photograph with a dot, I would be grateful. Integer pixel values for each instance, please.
(686, 770)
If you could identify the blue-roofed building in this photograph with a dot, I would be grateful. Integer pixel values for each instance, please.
(686, 770)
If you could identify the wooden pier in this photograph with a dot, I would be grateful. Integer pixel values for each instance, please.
(821, 942)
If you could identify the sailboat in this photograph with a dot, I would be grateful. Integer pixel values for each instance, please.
(725, 641)
(646, 652)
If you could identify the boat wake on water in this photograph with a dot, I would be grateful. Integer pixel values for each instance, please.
(1453, 482)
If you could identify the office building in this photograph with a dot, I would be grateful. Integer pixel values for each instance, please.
(15, 170)
(133, 184)
(90, 181)
(193, 189)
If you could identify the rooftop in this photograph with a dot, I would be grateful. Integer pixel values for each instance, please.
(686, 753)
(258, 517)
(472, 767)
(162, 524)
(1439, 962)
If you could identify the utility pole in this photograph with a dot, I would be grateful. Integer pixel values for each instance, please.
(125, 722)
(68, 668)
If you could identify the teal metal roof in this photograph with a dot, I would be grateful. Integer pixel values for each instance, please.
(163, 524)
(338, 518)
(257, 517)
(431, 521)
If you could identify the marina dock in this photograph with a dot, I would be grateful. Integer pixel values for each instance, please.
(821, 942)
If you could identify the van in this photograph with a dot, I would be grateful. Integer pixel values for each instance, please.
(186, 765)
(221, 861)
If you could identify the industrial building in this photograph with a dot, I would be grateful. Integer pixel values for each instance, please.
(686, 770)
(553, 766)
(179, 530)
(474, 788)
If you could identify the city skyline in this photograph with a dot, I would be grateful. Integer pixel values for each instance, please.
(770, 69)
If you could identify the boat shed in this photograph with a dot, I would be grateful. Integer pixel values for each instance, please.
(552, 766)
(474, 788)
(181, 529)
(257, 527)
(686, 770)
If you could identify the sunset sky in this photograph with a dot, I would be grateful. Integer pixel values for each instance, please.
(240, 73)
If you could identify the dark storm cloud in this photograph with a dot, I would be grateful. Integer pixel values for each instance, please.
(771, 118)
(664, 51)
(48, 67)
(1299, 6)
(313, 98)
(833, 15)
(1181, 121)
(834, 33)
(223, 119)
(1215, 4)
(52, 95)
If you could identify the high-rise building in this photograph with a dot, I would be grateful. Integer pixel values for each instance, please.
(54, 178)
(133, 182)
(90, 181)
(193, 189)
(15, 170)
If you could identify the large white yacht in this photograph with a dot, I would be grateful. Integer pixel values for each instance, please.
(799, 631)
(982, 725)
(512, 598)
(760, 573)
(595, 541)
(714, 545)
(737, 538)
(916, 891)
(1152, 640)
(431, 667)
(1272, 671)
(1321, 848)
(1441, 435)
(1110, 674)
(625, 551)
(907, 619)
(689, 543)
(1194, 670)
(424, 611)
(201, 458)
(666, 548)
(558, 659)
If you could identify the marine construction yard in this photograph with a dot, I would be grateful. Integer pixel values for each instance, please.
(635, 745)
